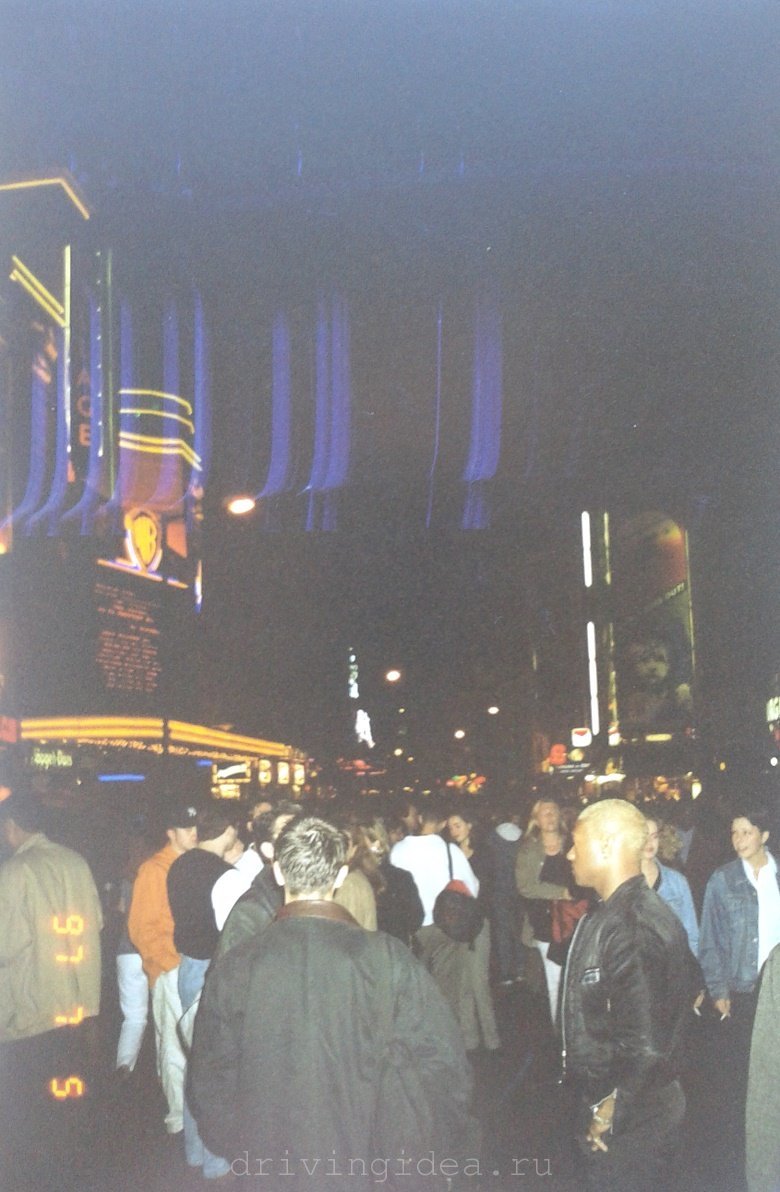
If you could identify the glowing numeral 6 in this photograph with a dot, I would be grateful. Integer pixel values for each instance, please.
(74, 925)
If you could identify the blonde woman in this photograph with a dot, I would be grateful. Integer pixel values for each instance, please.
(543, 876)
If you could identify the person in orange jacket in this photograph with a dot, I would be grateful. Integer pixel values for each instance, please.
(150, 927)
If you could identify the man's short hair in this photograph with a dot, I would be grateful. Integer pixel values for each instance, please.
(432, 813)
(213, 819)
(617, 817)
(756, 812)
(24, 809)
(310, 853)
(265, 826)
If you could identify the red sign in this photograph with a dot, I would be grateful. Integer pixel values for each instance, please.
(9, 730)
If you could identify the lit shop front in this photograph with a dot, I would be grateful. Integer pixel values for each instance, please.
(137, 749)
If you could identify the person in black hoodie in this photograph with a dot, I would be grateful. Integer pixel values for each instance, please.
(195, 935)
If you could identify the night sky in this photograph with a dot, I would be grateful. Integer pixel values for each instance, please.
(606, 173)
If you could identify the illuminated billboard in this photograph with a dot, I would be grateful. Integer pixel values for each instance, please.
(653, 626)
(90, 636)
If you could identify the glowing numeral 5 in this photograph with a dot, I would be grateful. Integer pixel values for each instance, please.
(74, 925)
(72, 1087)
(76, 958)
(74, 1020)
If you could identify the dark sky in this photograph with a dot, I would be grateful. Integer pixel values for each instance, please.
(607, 170)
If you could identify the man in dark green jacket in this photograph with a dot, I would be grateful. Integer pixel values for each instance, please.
(321, 1049)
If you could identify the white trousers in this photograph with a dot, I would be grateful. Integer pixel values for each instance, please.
(552, 973)
(134, 1002)
(166, 1011)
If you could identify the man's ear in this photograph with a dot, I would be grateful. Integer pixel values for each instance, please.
(278, 874)
(266, 851)
(341, 877)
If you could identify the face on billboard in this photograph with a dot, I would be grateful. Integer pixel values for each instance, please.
(653, 631)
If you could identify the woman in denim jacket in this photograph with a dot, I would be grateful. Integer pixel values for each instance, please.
(740, 926)
(670, 885)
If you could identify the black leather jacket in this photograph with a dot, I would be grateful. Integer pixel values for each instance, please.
(628, 990)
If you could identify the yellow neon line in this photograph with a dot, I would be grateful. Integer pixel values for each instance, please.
(131, 568)
(84, 730)
(154, 446)
(195, 734)
(80, 726)
(144, 721)
(146, 450)
(36, 281)
(34, 183)
(17, 276)
(156, 393)
(159, 414)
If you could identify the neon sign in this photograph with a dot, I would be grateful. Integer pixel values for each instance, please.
(74, 925)
(72, 1087)
(143, 537)
(71, 926)
(72, 1020)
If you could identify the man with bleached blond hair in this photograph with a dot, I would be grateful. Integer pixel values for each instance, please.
(628, 986)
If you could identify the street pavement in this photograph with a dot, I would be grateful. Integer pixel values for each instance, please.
(120, 1145)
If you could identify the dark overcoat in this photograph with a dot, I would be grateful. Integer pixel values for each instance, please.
(320, 1050)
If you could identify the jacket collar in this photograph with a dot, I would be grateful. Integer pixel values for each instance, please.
(32, 841)
(316, 909)
(626, 889)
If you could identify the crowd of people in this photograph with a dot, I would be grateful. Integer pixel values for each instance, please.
(321, 980)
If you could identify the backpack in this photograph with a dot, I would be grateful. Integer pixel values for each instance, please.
(456, 911)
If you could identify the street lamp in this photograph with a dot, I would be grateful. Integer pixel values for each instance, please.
(459, 734)
(493, 710)
(392, 676)
(240, 505)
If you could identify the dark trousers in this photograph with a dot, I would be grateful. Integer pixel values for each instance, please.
(641, 1157)
(46, 1108)
(727, 1064)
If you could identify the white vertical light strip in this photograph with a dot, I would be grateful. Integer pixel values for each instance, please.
(587, 553)
(66, 344)
(595, 723)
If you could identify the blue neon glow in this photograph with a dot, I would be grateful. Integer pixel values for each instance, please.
(121, 778)
(486, 412)
(437, 420)
(279, 467)
(36, 475)
(48, 516)
(332, 427)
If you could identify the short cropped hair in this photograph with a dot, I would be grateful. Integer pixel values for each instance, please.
(25, 810)
(617, 817)
(265, 826)
(213, 819)
(755, 811)
(432, 813)
(310, 853)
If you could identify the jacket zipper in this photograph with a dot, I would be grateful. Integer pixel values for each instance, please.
(563, 999)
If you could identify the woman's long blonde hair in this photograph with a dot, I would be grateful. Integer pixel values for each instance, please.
(533, 828)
